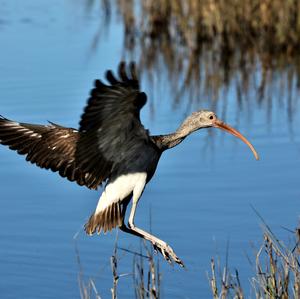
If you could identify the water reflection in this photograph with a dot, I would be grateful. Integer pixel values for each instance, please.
(208, 48)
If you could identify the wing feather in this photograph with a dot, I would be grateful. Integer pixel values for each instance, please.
(110, 134)
(111, 123)
(50, 147)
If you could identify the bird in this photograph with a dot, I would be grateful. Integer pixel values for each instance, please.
(111, 148)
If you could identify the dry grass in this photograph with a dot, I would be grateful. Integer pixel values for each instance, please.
(87, 289)
(146, 279)
(277, 272)
(145, 273)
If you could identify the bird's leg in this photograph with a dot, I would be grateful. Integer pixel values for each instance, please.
(158, 244)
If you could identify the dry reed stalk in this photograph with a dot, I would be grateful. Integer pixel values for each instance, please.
(277, 272)
(114, 267)
(86, 289)
(147, 280)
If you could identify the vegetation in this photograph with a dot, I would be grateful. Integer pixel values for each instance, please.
(145, 274)
(277, 272)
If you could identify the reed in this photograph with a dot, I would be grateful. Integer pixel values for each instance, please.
(277, 272)
(146, 275)
(146, 278)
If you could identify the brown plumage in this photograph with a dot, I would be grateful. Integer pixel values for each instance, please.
(106, 220)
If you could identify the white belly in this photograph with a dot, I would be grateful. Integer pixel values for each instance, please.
(120, 188)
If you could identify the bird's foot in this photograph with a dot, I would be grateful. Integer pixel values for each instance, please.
(167, 252)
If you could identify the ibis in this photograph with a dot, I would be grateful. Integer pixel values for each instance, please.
(110, 147)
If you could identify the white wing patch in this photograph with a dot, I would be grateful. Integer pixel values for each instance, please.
(65, 136)
(18, 128)
(120, 188)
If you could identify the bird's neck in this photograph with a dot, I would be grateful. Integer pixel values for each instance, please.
(168, 141)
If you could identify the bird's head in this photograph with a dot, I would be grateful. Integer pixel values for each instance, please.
(206, 119)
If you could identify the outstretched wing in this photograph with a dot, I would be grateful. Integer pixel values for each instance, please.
(120, 101)
(110, 136)
(50, 147)
(112, 131)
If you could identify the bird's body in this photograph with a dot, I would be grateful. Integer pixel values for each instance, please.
(111, 146)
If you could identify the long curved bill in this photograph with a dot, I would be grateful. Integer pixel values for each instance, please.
(219, 124)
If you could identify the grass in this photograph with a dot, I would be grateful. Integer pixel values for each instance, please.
(277, 272)
(146, 276)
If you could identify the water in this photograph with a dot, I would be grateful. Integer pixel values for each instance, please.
(200, 198)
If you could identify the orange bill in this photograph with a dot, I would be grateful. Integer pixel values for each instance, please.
(219, 124)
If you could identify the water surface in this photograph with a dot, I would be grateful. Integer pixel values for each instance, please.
(200, 198)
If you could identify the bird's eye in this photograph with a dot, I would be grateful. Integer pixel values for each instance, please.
(211, 117)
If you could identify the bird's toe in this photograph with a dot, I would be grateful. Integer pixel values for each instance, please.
(168, 253)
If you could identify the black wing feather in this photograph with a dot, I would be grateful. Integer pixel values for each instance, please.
(111, 122)
(122, 98)
(110, 135)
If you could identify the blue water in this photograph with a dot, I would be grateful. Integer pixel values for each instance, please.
(200, 198)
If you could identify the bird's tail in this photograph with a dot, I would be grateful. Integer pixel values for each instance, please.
(105, 220)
